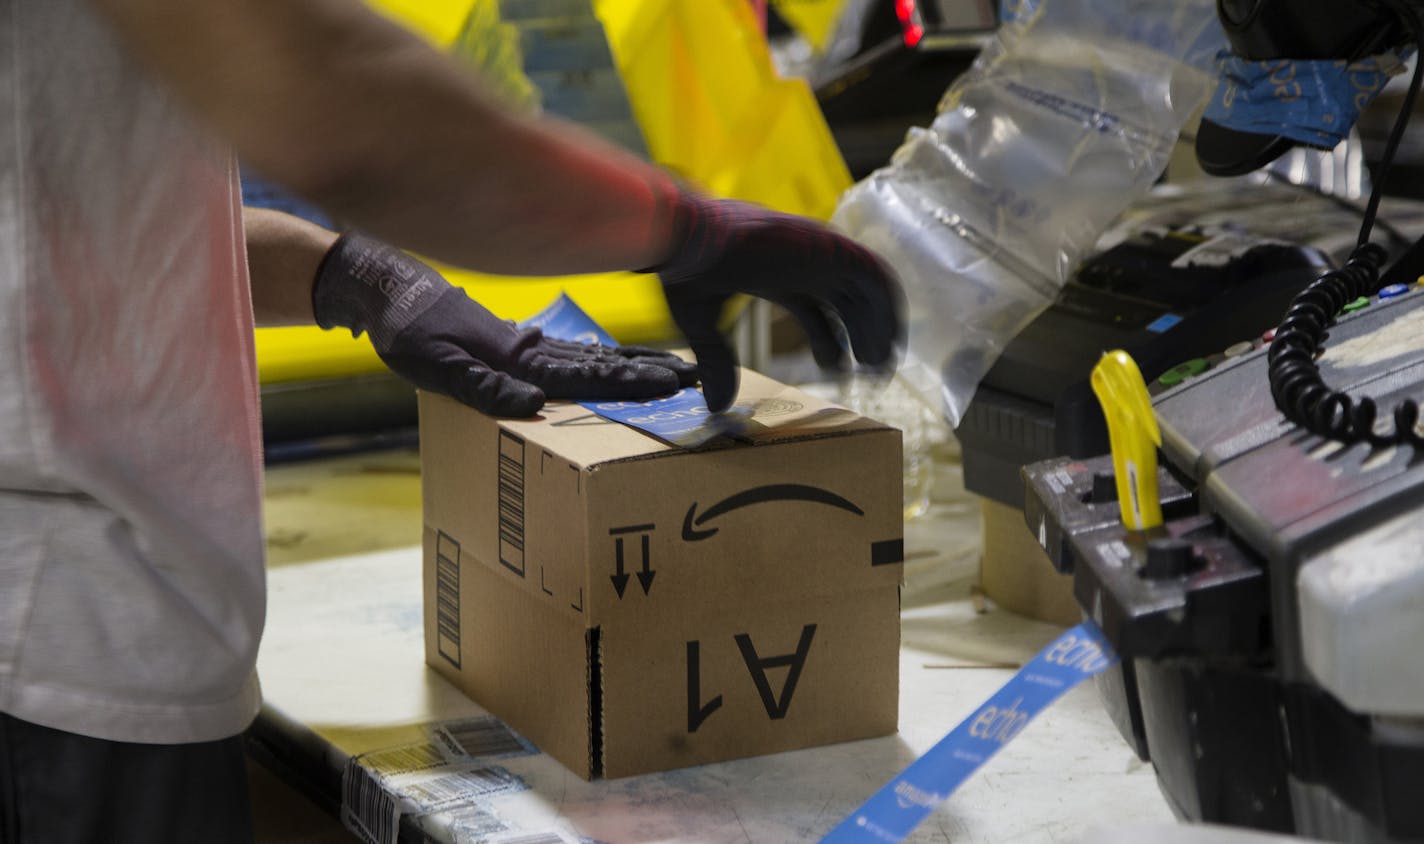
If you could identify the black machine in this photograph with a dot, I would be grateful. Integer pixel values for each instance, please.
(1035, 401)
(1271, 628)
(907, 52)
(1174, 297)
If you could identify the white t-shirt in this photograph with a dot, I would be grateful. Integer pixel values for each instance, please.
(132, 586)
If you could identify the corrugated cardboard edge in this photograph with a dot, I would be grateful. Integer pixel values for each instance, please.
(595, 702)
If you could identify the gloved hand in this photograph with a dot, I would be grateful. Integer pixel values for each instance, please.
(432, 334)
(725, 247)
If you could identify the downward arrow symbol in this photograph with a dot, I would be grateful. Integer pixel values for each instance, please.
(620, 580)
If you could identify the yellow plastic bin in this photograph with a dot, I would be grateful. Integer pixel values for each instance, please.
(712, 109)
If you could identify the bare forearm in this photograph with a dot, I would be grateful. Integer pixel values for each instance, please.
(550, 199)
(283, 254)
(383, 132)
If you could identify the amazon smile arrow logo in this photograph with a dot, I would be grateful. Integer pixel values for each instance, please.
(759, 495)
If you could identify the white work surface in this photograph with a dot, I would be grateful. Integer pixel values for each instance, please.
(343, 659)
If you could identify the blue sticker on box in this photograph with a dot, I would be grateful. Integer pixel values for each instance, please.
(893, 812)
(682, 419)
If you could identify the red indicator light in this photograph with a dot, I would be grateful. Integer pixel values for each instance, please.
(905, 11)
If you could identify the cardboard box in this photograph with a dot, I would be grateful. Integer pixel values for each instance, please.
(631, 606)
(1015, 572)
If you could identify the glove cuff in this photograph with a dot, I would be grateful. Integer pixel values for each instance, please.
(366, 285)
(689, 214)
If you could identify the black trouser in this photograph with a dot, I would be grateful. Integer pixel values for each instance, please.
(58, 787)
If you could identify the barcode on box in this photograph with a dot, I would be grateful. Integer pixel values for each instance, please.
(511, 502)
(474, 738)
(461, 787)
(447, 598)
(366, 808)
(401, 760)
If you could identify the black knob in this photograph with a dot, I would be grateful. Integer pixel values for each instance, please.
(1169, 558)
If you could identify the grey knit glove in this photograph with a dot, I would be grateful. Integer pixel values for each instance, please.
(823, 279)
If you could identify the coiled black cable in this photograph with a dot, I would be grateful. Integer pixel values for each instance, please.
(1296, 384)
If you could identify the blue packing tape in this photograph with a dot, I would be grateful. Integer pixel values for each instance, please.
(894, 811)
(1311, 102)
(682, 419)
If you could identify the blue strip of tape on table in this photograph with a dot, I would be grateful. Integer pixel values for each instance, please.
(894, 811)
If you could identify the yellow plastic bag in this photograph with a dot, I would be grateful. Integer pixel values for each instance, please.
(712, 108)
(815, 20)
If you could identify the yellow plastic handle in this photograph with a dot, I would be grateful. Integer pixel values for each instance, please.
(1132, 429)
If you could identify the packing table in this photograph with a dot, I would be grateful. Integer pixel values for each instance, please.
(342, 668)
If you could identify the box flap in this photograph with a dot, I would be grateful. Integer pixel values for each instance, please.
(785, 413)
(781, 413)
(583, 437)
